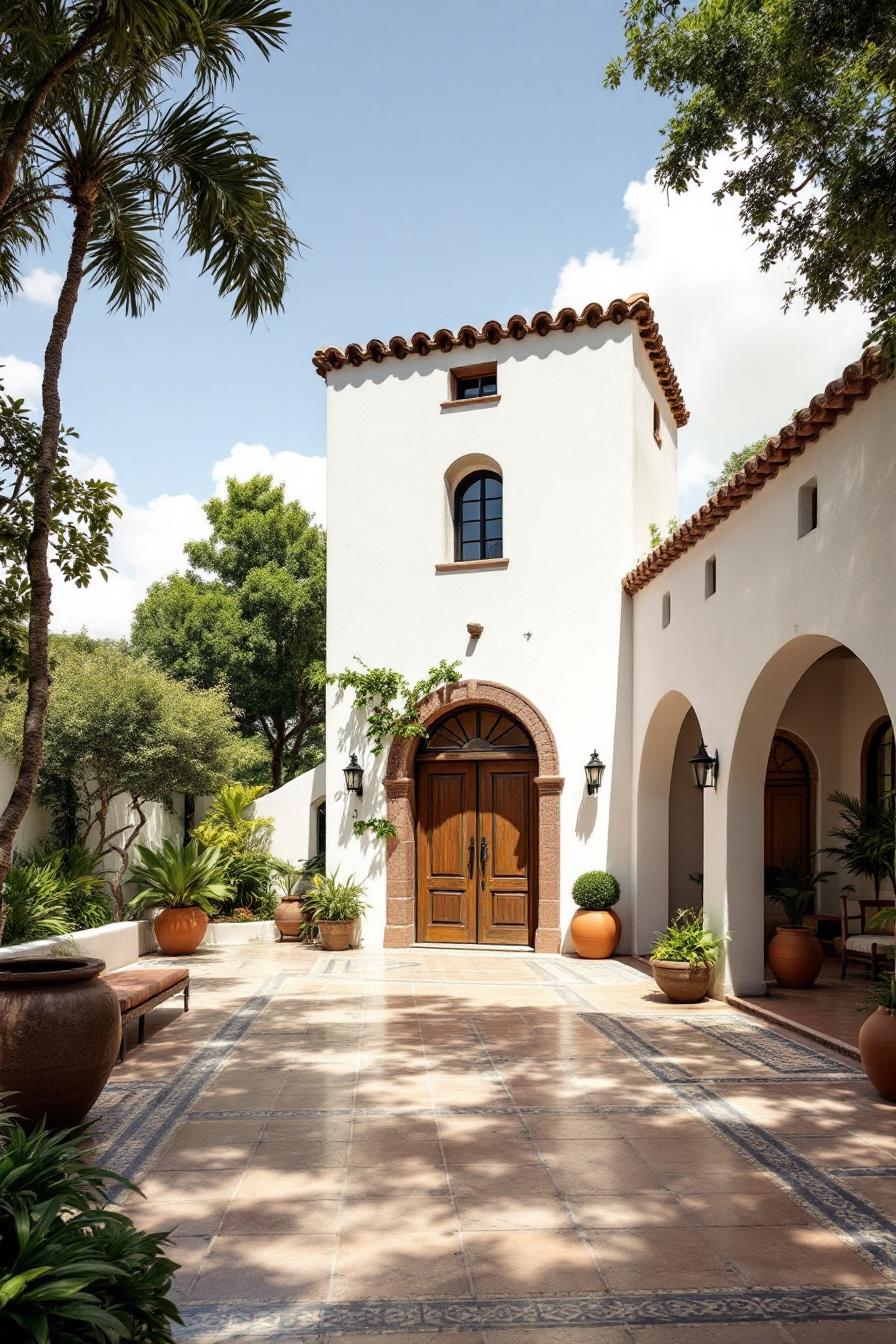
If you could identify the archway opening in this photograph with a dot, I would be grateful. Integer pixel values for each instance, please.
(669, 834)
(804, 736)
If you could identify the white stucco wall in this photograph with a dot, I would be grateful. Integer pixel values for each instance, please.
(293, 810)
(573, 438)
(37, 819)
(781, 603)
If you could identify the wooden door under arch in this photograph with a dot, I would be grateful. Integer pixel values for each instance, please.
(476, 831)
(788, 807)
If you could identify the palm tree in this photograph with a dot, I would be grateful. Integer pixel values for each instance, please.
(867, 835)
(46, 40)
(133, 163)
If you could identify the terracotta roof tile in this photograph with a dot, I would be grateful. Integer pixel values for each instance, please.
(636, 309)
(823, 410)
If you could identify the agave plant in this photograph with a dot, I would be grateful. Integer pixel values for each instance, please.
(175, 876)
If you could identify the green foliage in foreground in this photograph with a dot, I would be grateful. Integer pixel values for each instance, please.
(70, 1271)
(687, 940)
(52, 892)
(800, 95)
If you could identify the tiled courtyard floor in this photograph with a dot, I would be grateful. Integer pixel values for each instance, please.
(500, 1149)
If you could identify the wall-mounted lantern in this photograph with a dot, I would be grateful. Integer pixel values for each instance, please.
(704, 768)
(594, 772)
(354, 774)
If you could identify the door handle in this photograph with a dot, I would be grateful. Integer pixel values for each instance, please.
(483, 853)
(471, 858)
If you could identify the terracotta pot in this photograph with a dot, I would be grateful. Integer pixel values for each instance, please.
(288, 917)
(335, 934)
(680, 981)
(60, 1027)
(795, 956)
(180, 929)
(877, 1046)
(595, 933)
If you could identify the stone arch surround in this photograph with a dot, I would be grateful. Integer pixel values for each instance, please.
(401, 861)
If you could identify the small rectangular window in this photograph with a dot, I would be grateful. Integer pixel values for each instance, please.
(667, 609)
(709, 577)
(472, 384)
(807, 508)
(657, 426)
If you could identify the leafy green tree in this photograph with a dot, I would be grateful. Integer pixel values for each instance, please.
(81, 524)
(734, 463)
(801, 95)
(251, 614)
(122, 734)
(139, 152)
(46, 40)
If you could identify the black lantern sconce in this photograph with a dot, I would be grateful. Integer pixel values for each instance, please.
(354, 774)
(594, 773)
(704, 768)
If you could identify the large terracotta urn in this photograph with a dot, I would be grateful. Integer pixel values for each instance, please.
(595, 933)
(288, 917)
(795, 956)
(60, 1028)
(680, 981)
(180, 929)
(877, 1046)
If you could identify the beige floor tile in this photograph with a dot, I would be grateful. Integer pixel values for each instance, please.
(843, 1332)
(752, 1332)
(657, 1208)
(785, 1256)
(513, 1210)
(265, 1268)
(530, 1262)
(380, 1263)
(661, 1258)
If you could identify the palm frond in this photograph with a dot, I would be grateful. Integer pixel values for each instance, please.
(125, 255)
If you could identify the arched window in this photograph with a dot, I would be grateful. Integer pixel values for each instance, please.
(478, 517)
(880, 763)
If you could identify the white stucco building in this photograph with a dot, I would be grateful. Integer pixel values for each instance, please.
(489, 494)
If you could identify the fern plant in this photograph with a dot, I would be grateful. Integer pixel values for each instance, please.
(686, 939)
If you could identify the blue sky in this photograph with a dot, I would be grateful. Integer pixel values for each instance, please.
(445, 164)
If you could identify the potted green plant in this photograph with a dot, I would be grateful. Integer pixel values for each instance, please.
(187, 883)
(595, 927)
(794, 953)
(292, 884)
(867, 835)
(682, 958)
(335, 907)
(877, 1036)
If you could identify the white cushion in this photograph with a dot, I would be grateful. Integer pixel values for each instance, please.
(863, 942)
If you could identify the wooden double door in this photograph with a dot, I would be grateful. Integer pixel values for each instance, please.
(476, 851)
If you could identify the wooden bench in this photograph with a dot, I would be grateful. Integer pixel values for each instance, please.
(140, 989)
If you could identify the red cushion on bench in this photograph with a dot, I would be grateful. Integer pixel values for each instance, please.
(135, 987)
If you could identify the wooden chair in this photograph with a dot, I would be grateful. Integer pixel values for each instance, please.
(870, 948)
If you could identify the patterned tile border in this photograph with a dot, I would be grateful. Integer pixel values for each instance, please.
(231, 1321)
(850, 1173)
(862, 1225)
(133, 1147)
(408, 1112)
(770, 1047)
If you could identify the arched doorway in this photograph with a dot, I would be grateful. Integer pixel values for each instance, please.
(788, 806)
(477, 876)
(530, 750)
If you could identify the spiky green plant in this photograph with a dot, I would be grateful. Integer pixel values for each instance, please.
(34, 895)
(795, 893)
(328, 898)
(72, 1272)
(867, 835)
(177, 876)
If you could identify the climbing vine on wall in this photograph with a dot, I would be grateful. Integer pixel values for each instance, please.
(389, 701)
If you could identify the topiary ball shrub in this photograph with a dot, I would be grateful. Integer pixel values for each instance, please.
(595, 891)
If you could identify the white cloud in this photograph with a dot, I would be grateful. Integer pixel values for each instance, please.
(743, 365)
(21, 378)
(149, 539)
(42, 286)
(304, 476)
